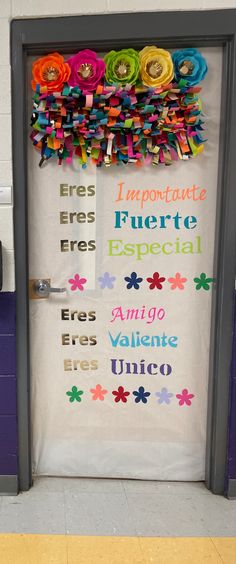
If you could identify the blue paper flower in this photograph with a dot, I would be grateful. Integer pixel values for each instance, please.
(133, 281)
(141, 395)
(189, 65)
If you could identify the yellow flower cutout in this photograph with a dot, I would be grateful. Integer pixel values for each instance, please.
(156, 66)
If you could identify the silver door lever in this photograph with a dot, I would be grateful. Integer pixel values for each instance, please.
(43, 288)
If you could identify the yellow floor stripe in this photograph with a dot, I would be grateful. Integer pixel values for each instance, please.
(59, 549)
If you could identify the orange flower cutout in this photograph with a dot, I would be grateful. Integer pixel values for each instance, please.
(50, 72)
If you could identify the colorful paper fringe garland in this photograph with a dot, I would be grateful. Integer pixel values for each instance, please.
(143, 122)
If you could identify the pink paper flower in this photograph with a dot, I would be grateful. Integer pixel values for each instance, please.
(185, 397)
(177, 282)
(86, 70)
(98, 393)
(77, 283)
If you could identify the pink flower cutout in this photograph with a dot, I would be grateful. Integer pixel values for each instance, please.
(177, 281)
(98, 393)
(77, 283)
(185, 397)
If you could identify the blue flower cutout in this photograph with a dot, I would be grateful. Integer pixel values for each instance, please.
(106, 281)
(189, 65)
(141, 395)
(164, 396)
(133, 281)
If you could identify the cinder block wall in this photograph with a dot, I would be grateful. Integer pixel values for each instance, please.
(25, 9)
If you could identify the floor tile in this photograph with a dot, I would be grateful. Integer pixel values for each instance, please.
(33, 549)
(179, 551)
(226, 548)
(33, 513)
(165, 488)
(103, 550)
(98, 514)
(91, 485)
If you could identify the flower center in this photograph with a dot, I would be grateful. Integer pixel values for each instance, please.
(122, 69)
(186, 68)
(85, 70)
(50, 73)
(154, 68)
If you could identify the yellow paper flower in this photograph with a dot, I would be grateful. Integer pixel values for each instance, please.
(156, 67)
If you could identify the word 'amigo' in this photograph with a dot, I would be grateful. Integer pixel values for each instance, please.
(137, 340)
(154, 221)
(120, 366)
(118, 248)
(149, 315)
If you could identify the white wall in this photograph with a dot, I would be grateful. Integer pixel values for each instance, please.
(38, 8)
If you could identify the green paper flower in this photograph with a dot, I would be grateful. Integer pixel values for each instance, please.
(74, 394)
(203, 282)
(122, 66)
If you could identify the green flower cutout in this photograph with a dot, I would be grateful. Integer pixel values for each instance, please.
(122, 66)
(203, 282)
(75, 394)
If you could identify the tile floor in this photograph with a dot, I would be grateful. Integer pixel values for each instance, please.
(124, 508)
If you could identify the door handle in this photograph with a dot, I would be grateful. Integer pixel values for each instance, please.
(1, 267)
(43, 289)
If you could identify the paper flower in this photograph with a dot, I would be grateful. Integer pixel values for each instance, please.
(98, 393)
(86, 70)
(133, 281)
(156, 66)
(185, 397)
(77, 283)
(106, 281)
(50, 72)
(120, 395)
(156, 281)
(164, 396)
(141, 395)
(203, 282)
(177, 282)
(75, 394)
(122, 66)
(190, 65)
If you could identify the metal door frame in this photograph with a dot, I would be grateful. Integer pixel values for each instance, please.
(104, 32)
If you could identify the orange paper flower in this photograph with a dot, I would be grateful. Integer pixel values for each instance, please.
(50, 72)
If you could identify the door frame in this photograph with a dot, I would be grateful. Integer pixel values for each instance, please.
(111, 31)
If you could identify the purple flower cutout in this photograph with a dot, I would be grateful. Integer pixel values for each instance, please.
(106, 281)
(164, 396)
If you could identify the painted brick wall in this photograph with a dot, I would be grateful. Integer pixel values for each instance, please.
(32, 8)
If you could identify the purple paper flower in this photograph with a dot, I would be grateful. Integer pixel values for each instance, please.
(86, 70)
(164, 396)
(106, 281)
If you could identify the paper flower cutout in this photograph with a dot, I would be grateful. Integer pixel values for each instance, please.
(74, 394)
(120, 395)
(203, 282)
(141, 395)
(156, 281)
(156, 67)
(77, 283)
(164, 396)
(133, 281)
(50, 72)
(122, 66)
(189, 65)
(98, 393)
(86, 70)
(185, 397)
(177, 282)
(106, 281)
